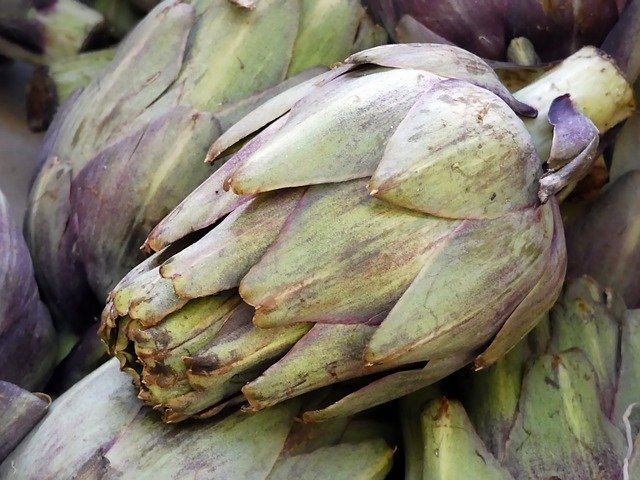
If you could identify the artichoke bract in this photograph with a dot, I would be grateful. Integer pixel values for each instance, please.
(556, 29)
(28, 345)
(110, 435)
(604, 241)
(390, 214)
(20, 411)
(563, 404)
(51, 85)
(128, 148)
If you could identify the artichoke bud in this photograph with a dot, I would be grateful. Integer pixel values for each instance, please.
(131, 142)
(110, 435)
(384, 222)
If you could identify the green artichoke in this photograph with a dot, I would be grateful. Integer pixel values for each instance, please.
(386, 218)
(99, 430)
(128, 148)
(560, 405)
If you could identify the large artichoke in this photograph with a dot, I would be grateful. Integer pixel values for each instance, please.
(27, 338)
(99, 430)
(560, 405)
(129, 147)
(387, 217)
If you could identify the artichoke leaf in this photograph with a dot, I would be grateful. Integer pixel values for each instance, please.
(460, 152)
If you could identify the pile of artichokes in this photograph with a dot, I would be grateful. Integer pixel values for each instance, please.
(318, 254)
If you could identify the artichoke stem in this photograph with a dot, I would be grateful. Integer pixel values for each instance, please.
(598, 89)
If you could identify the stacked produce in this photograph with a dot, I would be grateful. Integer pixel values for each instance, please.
(287, 244)
(563, 404)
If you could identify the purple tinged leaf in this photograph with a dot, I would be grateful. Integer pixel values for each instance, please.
(221, 258)
(486, 268)
(410, 30)
(20, 411)
(537, 302)
(113, 222)
(389, 388)
(28, 345)
(117, 94)
(475, 26)
(573, 133)
(375, 249)
(446, 61)
(558, 29)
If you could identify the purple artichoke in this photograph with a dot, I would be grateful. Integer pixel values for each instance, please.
(486, 27)
(27, 337)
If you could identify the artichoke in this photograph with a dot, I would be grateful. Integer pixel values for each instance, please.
(560, 405)
(128, 148)
(51, 85)
(109, 435)
(486, 28)
(604, 241)
(20, 411)
(39, 31)
(389, 216)
(28, 346)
